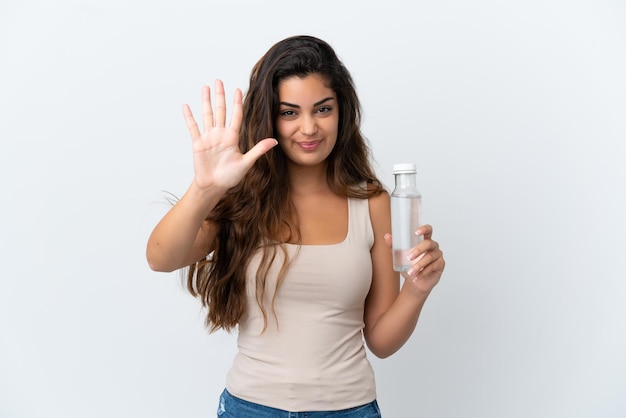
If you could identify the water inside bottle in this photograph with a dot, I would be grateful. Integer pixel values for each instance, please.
(400, 260)
(405, 219)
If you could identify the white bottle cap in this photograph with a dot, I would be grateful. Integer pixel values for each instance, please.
(404, 168)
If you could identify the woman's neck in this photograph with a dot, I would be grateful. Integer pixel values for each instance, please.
(305, 180)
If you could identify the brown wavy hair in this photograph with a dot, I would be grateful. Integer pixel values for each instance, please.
(255, 214)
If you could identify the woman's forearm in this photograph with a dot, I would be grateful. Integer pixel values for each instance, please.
(395, 326)
(180, 239)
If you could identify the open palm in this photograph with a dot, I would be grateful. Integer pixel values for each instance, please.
(217, 159)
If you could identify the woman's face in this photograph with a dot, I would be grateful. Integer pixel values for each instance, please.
(308, 119)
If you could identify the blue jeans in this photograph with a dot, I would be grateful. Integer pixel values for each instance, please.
(233, 407)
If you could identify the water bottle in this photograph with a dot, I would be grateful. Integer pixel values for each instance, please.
(406, 207)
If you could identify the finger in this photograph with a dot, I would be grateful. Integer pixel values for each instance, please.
(422, 262)
(235, 121)
(207, 110)
(219, 118)
(423, 247)
(192, 126)
(259, 149)
(425, 230)
(435, 267)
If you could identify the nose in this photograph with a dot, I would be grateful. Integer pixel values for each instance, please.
(308, 125)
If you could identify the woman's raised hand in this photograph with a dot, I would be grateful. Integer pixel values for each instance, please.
(217, 159)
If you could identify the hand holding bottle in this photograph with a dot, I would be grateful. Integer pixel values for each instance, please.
(426, 261)
(415, 254)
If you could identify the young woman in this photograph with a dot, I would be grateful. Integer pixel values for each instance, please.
(285, 230)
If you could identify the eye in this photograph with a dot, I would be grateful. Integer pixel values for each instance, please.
(287, 113)
(325, 109)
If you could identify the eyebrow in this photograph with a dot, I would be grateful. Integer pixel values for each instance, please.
(314, 104)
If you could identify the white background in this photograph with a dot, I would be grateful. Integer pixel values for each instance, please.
(515, 113)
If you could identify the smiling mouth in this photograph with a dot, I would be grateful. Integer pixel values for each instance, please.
(309, 145)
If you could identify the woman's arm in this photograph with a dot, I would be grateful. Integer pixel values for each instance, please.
(183, 236)
(391, 310)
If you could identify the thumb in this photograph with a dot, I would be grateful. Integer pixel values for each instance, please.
(259, 149)
(387, 238)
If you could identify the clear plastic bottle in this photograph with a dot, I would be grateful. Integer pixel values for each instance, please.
(406, 207)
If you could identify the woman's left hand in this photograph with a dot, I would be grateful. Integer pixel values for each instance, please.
(427, 259)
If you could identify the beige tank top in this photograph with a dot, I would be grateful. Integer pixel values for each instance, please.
(312, 356)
